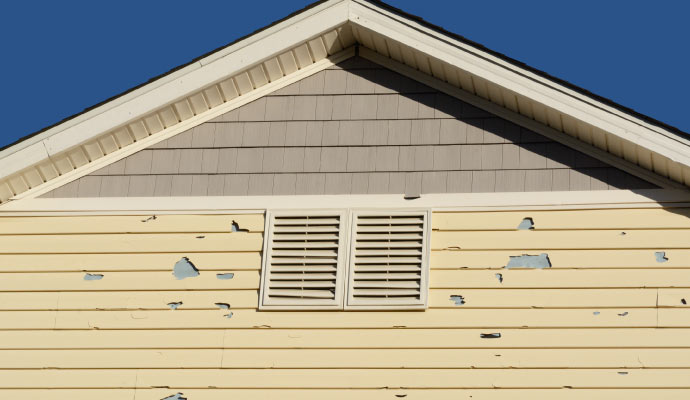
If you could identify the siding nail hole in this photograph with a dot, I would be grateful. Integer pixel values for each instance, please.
(176, 396)
(527, 224)
(235, 227)
(185, 269)
(151, 218)
(174, 305)
(499, 277)
(660, 256)
(623, 314)
(223, 306)
(225, 276)
(490, 335)
(93, 277)
(459, 300)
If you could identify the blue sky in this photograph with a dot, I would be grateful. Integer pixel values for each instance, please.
(59, 57)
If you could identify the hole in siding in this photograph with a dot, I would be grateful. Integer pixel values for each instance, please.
(176, 396)
(93, 277)
(683, 301)
(223, 306)
(185, 269)
(490, 335)
(235, 227)
(174, 305)
(660, 256)
(623, 314)
(527, 261)
(151, 218)
(225, 276)
(527, 224)
(459, 300)
(499, 277)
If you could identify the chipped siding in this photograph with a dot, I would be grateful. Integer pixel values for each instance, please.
(606, 314)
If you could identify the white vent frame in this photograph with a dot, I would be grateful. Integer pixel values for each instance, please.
(265, 302)
(386, 304)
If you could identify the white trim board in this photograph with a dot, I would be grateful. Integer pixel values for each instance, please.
(647, 198)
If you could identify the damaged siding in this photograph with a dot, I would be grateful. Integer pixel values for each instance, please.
(604, 313)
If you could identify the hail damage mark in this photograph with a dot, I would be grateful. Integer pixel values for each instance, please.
(201, 237)
(683, 301)
(223, 306)
(174, 305)
(235, 227)
(185, 269)
(228, 315)
(660, 256)
(225, 276)
(622, 373)
(596, 313)
(527, 261)
(527, 224)
(93, 277)
(459, 300)
(490, 335)
(176, 396)
(499, 277)
(623, 314)
(151, 218)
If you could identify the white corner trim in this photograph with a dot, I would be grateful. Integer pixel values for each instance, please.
(520, 119)
(449, 50)
(146, 99)
(647, 198)
(186, 125)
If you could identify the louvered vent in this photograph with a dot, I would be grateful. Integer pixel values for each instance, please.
(388, 260)
(304, 261)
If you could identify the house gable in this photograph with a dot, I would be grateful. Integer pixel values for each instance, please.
(354, 128)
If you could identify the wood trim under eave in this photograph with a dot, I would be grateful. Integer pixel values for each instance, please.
(521, 120)
(575, 200)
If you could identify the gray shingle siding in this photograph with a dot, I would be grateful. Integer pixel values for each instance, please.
(353, 128)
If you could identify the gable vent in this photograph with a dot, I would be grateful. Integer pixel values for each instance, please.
(388, 260)
(304, 261)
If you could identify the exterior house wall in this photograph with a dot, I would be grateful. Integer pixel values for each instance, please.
(355, 128)
(607, 320)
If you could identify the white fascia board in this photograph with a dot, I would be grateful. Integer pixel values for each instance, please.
(167, 89)
(520, 81)
(646, 198)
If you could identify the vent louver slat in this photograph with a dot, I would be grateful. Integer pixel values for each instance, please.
(387, 260)
(303, 258)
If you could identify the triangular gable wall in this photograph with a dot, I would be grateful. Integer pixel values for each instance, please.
(354, 128)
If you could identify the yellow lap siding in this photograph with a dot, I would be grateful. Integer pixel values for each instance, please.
(607, 305)
(347, 378)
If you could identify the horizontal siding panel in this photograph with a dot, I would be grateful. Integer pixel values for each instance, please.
(348, 378)
(583, 239)
(247, 299)
(560, 278)
(348, 394)
(130, 224)
(628, 258)
(127, 262)
(346, 358)
(122, 243)
(128, 300)
(124, 281)
(443, 338)
(673, 218)
(434, 318)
